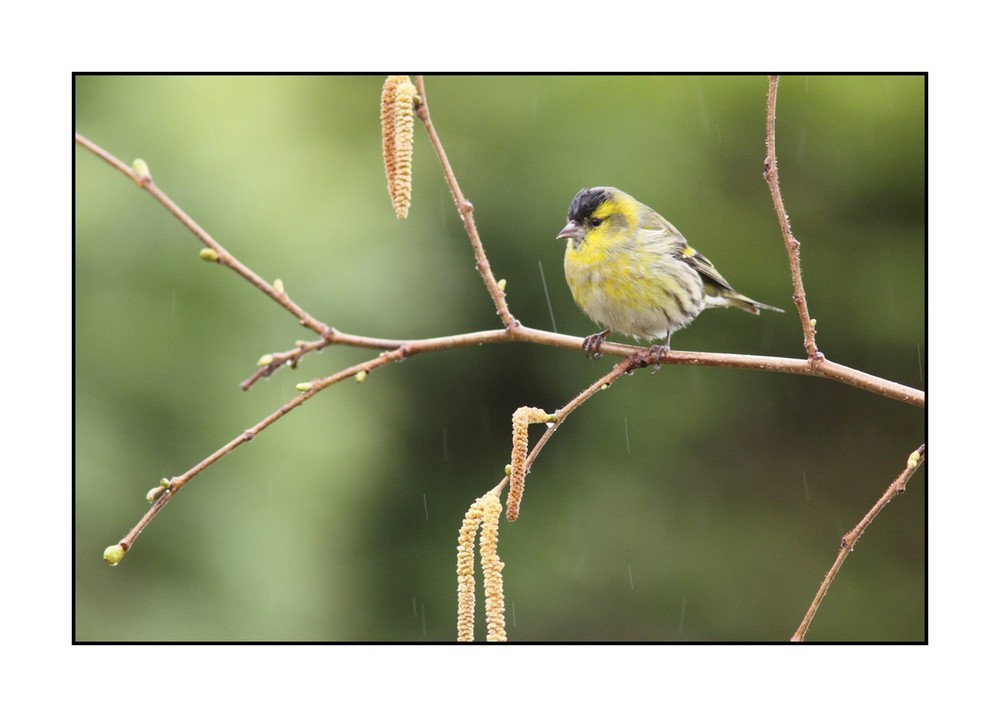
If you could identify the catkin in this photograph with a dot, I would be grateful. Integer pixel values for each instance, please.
(492, 579)
(466, 571)
(398, 97)
(519, 454)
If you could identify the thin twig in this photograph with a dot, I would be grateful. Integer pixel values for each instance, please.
(621, 368)
(848, 542)
(222, 256)
(465, 211)
(791, 243)
(174, 485)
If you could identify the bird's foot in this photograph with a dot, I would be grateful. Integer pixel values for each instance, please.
(656, 354)
(592, 344)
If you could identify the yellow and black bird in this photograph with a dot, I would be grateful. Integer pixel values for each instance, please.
(631, 271)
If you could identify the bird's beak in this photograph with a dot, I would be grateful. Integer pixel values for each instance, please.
(571, 231)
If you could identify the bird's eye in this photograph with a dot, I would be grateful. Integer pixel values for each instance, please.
(595, 222)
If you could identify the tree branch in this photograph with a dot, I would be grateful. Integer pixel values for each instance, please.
(848, 542)
(395, 350)
(791, 243)
(465, 212)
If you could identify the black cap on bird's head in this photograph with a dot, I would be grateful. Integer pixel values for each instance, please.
(583, 205)
(586, 203)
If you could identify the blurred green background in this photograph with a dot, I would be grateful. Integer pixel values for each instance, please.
(697, 504)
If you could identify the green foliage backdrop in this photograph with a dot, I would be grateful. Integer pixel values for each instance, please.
(692, 505)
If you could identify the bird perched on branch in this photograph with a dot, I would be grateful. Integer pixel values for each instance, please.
(631, 271)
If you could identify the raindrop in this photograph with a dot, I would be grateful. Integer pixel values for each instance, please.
(545, 289)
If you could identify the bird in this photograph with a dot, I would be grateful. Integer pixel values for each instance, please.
(633, 272)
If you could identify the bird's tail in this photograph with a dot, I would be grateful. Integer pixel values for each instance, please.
(731, 298)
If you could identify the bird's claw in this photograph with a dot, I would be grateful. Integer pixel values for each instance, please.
(592, 344)
(656, 354)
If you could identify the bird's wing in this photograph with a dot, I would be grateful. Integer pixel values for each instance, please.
(703, 266)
